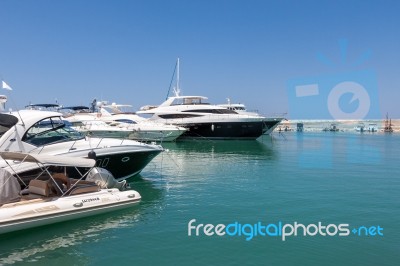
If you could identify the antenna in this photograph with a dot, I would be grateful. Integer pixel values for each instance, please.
(176, 89)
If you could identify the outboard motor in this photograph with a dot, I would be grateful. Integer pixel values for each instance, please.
(104, 179)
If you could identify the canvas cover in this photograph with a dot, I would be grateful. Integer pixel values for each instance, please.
(9, 187)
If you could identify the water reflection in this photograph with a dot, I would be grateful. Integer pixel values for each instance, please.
(251, 148)
(33, 245)
(185, 162)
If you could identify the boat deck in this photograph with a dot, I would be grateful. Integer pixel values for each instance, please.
(45, 191)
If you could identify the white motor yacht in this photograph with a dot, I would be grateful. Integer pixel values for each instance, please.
(118, 124)
(98, 128)
(44, 132)
(51, 196)
(142, 128)
(204, 120)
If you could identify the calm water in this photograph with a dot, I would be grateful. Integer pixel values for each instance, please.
(332, 178)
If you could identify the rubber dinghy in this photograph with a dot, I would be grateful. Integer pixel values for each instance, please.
(52, 196)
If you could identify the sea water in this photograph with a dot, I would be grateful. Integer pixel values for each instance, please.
(309, 180)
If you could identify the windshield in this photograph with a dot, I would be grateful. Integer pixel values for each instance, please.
(127, 121)
(3, 130)
(50, 130)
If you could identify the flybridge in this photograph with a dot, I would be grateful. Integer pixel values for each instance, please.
(184, 100)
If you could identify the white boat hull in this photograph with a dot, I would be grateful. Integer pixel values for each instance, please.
(156, 135)
(34, 213)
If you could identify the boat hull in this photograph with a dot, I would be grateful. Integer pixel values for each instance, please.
(125, 165)
(106, 133)
(229, 130)
(156, 135)
(117, 156)
(15, 217)
(139, 135)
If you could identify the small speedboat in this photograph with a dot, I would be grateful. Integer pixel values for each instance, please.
(51, 196)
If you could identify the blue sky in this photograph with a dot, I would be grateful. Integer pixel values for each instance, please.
(125, 51)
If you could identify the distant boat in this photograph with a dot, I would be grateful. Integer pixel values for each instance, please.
(332, 128)
(300, 127)
(388, 125)
(284, 128)
(372, 127)
(360, 127)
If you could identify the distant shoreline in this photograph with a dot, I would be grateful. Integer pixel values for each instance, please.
(316, 125)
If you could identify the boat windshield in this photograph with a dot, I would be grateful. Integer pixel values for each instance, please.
(127, 121)
(50, 130)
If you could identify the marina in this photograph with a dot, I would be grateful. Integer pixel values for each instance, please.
(333, 178)
(199, 133)
(205, 175)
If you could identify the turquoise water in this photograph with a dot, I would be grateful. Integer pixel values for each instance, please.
(332, 178)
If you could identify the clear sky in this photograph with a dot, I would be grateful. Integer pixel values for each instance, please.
(124, 51)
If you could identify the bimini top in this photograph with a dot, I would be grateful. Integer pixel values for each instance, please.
(48, 159)
(76, 108)
(42, 105)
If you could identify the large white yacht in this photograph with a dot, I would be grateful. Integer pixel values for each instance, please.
(204, 120)
(44, 132)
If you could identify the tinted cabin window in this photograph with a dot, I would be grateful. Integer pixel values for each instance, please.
(212, 111)
(128, 121)
(173, 116)
(50, 130)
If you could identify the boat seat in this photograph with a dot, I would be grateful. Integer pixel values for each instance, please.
(62, 181)
(84, 188)
(39, 187)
